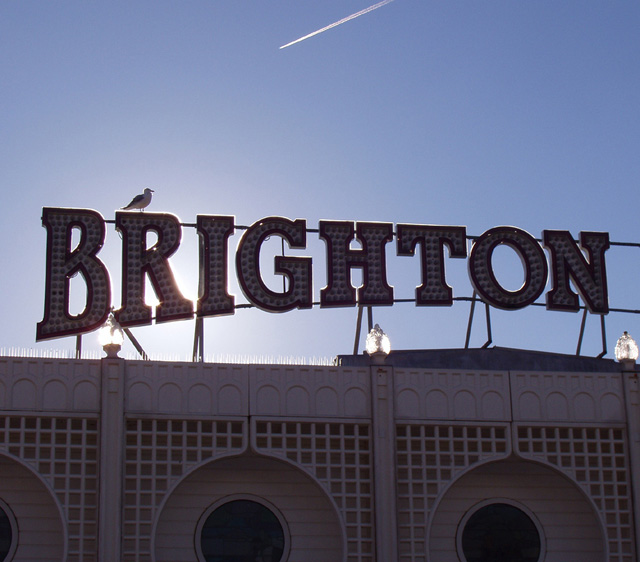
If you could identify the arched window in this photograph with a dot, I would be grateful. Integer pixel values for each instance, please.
(242, 529)
(8, 533)
(500, 531)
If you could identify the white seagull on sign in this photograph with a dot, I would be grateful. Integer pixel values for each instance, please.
(140, 201)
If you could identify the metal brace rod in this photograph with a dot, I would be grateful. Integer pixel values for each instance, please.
(198, 341)
(603, 331)
(487, 309)
(356, 343)
(470, 322)
(581, 335)
(136, 344)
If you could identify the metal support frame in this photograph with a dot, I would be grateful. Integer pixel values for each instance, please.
(487, 309)
(356, 342)
(198, 340)
(581, 334)
(603, 332)
(136, 344)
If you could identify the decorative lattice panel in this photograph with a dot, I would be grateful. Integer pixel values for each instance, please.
(158, 453)
(339, 456)
(595, 457)
(428, 457)
(64, 452)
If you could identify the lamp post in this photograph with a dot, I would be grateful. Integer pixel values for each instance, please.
(377, 345)
(111, 337)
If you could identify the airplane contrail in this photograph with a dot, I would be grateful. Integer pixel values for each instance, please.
(339, 22)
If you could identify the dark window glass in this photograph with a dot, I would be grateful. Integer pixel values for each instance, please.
(500, 533)
(5, 535)
(242, 531)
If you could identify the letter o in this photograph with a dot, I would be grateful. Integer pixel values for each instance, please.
(533, 260)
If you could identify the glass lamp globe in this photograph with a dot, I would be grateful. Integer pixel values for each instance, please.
(377, 343)
(111, 336)
(626, 349)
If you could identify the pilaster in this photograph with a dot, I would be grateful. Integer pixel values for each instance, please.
(631, 388)
(384, 452)
(111, 461)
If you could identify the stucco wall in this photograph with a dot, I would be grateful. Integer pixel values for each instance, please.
(41, 533)
(314, 527)
(570, 526)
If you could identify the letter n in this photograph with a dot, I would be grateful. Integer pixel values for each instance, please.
(569, 264)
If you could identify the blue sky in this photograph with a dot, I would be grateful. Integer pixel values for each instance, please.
(456, 113)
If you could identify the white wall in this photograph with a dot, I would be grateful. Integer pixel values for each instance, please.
(570, 525)
(41, 536)
(313, 523)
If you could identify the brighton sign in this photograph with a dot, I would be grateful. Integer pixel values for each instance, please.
(571, 265)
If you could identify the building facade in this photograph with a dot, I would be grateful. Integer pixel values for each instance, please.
(452, 456)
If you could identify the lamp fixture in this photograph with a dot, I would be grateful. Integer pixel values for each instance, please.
(377, 345)
(626, 349)
(111, 336)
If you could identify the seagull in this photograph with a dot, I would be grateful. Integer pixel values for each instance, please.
(140, 201)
